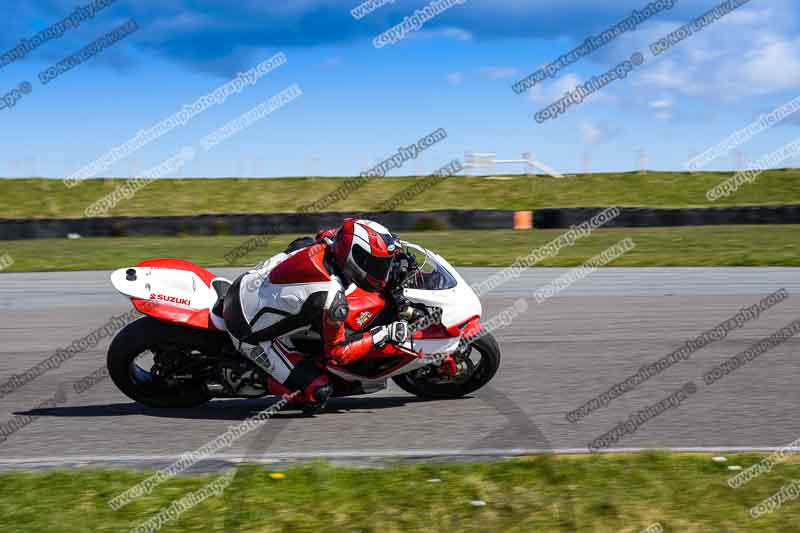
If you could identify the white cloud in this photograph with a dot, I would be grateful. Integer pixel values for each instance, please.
(749, 52)
(596, 133)
(666, 75)
(187, 21)
(545, 94)
(590, 133)
(427, 34)
(662, 103)
(455, 78)
(499, 73)
(663, 107)
(459, 34)
(748, 17)
(773, 67)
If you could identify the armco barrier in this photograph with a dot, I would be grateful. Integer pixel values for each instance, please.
(400, 221)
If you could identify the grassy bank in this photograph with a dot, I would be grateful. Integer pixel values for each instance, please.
(686, 493)
(40, 198)
(687, 246)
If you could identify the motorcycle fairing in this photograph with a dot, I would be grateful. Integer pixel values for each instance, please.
(171, 290)
(460, 305)
(407, 361)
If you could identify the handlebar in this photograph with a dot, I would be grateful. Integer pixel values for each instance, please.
(419, 316)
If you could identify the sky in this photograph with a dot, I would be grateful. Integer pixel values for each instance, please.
(360, 103)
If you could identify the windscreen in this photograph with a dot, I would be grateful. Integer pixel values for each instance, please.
(430, 276)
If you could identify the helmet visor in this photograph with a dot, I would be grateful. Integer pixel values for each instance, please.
(377, 268)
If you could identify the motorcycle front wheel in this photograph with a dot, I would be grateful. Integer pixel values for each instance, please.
(147, 354)
(421, 383)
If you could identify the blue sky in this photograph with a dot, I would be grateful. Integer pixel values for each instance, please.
(360, 103)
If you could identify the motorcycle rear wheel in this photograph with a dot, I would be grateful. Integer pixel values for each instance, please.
(141, 385)
(485, 370)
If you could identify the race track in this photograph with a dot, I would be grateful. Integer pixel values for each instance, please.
(556, 356)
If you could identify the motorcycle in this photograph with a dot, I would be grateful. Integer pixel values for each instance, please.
(174, 356)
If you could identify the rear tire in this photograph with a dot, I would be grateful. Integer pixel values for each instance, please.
(483, 373)
(145, 334)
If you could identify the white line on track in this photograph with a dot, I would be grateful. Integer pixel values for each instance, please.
(365, 454)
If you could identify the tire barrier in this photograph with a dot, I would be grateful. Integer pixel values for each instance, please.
(246, 224)
(400, 221)
(633, 217)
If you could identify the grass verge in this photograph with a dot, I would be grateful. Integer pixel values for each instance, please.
(49, 198)
(684, 246)
(600, 493)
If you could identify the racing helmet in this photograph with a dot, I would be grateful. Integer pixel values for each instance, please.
(363, 252)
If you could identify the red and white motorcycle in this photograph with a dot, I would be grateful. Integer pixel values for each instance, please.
(175, 357)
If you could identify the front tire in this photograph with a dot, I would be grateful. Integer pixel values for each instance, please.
(480, 376)
(150, 335)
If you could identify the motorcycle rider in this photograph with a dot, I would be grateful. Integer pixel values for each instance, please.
(306, 286)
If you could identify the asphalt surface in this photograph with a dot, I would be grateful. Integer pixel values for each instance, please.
(556, 356)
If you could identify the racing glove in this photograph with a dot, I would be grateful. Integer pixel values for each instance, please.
(396, 333)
